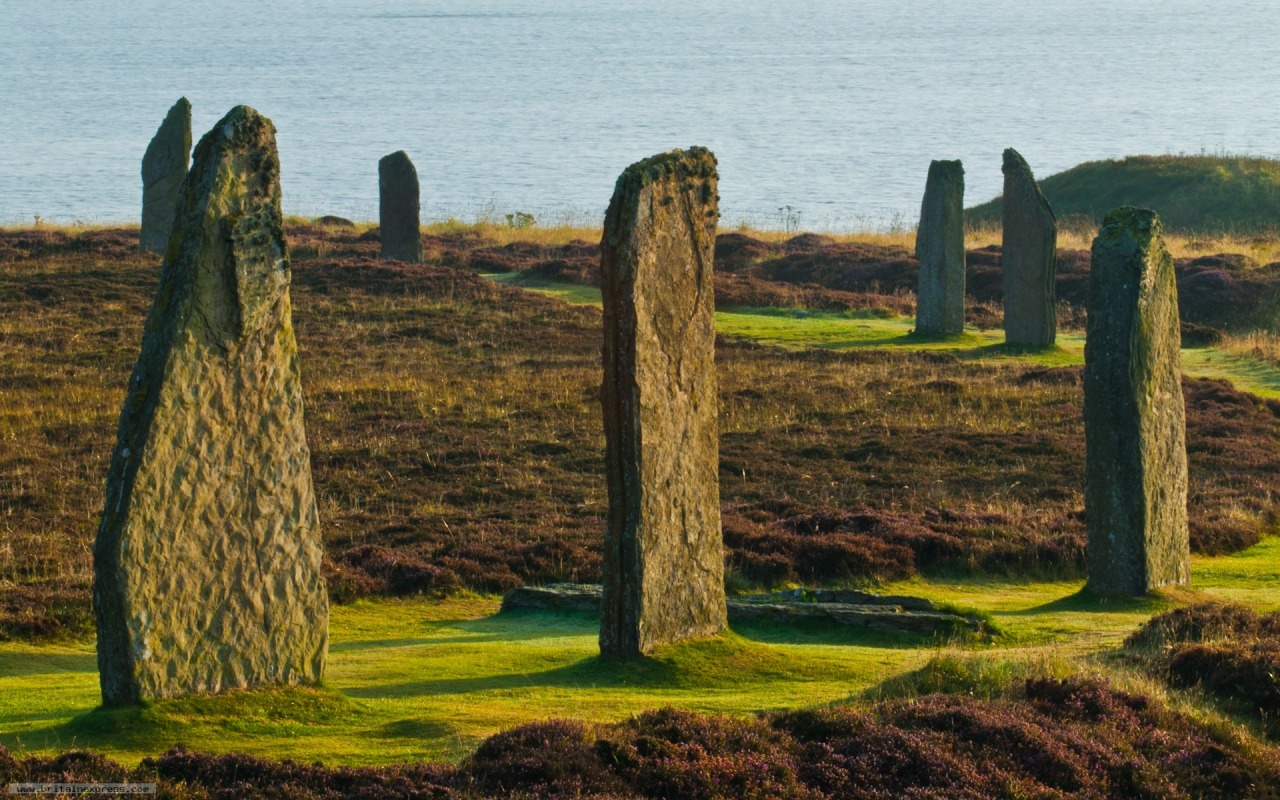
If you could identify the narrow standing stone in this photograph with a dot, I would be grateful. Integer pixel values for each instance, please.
(1029, 257)
(164, 167)
(663, 556)
(207, 561)
(398, 208)
(940, 251)
(1135, 429)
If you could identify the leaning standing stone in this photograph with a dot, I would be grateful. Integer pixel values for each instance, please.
(1135, 430)
(1029, 257)
(164, 167)
(398, 208)
(664, 557)
(940, 251)
(207, 561)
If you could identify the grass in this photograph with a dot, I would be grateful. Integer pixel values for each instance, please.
(421, 679)
(1250, 362)
(429, 680)
(1198, 196)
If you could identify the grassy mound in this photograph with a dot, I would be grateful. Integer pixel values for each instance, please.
(1192, 194)
(1228, 651)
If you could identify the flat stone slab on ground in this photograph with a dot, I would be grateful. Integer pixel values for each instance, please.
(843, 606)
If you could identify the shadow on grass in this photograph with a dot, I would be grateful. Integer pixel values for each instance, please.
(592, 672)
(918, 337)
(517, 625)
(1051, 355)
(499, 627)
(156, 726)
(947, 343)
(813, 631)
(423, 729)
(743, 655)
(127, 727)
(1088, 602)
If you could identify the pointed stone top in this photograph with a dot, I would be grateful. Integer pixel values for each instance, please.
(229, 229)
(397, 158)
(1013, 160)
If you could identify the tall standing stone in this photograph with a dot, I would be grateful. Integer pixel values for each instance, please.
(940, 251)
(399, 206)
(207, 561)
(164, 167)
(664, 555)
(1029, 257)
(1135, 430)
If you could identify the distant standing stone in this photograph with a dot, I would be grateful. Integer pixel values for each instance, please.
(207, 560)
(164, 167)
(398, 208)
(664, 556)
(1135, 429)
(1029, 257)
(940, 251)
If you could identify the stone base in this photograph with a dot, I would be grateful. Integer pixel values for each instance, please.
(896, 614)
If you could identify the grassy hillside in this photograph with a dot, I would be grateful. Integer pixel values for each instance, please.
(1192, 194)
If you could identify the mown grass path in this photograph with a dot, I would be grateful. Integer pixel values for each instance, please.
(423, 679)
(798, 328)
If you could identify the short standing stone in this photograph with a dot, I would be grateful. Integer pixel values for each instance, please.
(164, 167)
(1135, 430)
(1029, 257)
(207, 560)
(940, 251)
(399, 208)
(664, 556)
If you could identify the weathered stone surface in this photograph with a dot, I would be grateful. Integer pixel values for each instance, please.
(940, 251)
(164, 167)
(207, 560)
(1135, 430)
(664, 556)
(399, 206)
(855, 609)
(1029, 257)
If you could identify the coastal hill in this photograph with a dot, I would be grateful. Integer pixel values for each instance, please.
(1193, 194)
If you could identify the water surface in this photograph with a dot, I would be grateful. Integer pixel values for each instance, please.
(823, 113)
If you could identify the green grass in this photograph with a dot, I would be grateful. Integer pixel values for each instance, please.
(800, 328)
(1193, 194)
(422, 679)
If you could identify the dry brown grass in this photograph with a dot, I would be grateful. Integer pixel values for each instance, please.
(1261, 345)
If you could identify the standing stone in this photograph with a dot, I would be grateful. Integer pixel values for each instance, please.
(207, 561)
(1029, 257)
(663, 552)
(398, 208)
(940, 251)
(1135, 430)
(164, 167)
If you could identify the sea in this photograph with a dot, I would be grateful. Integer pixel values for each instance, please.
(824, 114)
